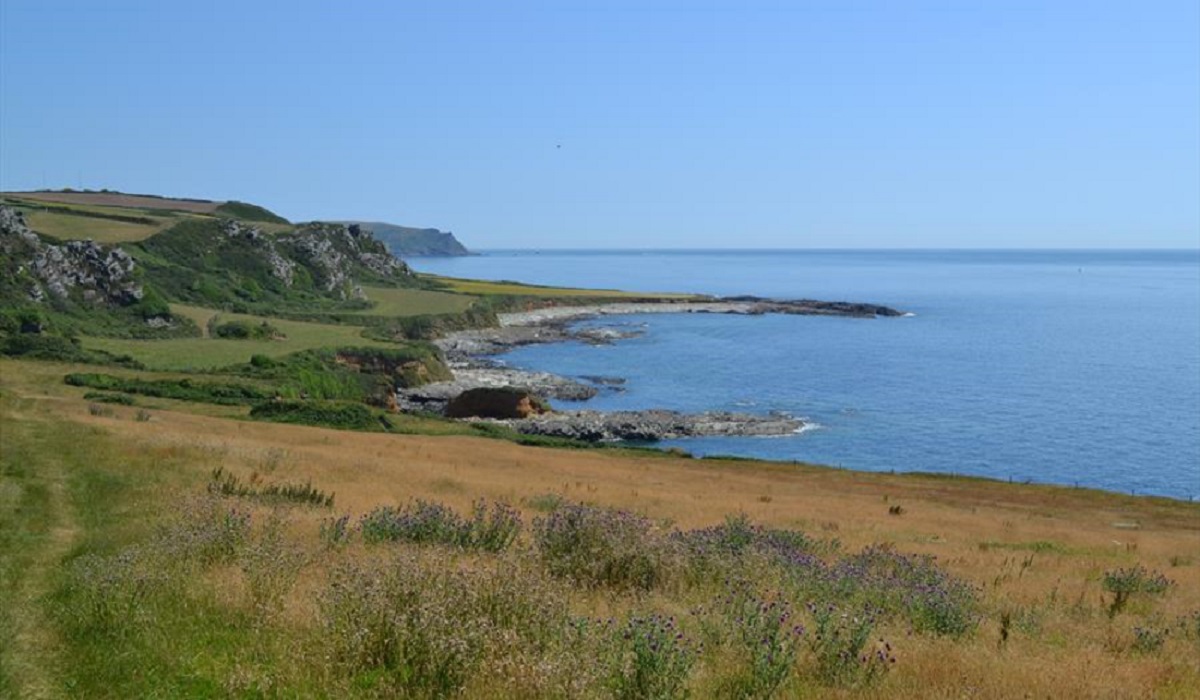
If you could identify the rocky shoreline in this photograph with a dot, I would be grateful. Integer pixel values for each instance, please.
(469, 353)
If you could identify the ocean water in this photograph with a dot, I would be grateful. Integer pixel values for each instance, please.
(1067, 367)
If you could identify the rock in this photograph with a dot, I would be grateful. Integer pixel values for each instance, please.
(436, 396)
(336, 253)
(85, 271)
(652, 425)
(500, 403)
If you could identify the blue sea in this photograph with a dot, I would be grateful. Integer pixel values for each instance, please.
(1066, 367)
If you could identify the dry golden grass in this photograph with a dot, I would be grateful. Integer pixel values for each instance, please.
(1077, 654)
(1036, 551)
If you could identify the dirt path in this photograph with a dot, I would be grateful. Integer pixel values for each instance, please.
(40, 529)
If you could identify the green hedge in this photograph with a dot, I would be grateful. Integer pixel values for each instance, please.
(330, 414)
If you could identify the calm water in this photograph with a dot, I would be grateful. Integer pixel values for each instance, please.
(1063, 367)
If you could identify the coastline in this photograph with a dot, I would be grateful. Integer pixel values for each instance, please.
(468, 355)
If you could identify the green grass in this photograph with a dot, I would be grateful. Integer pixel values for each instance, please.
(211, 353)
(70, 227)
(99, 223)
(484, 287)
(391, 301)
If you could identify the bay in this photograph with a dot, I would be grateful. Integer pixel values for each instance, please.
(1067, 367)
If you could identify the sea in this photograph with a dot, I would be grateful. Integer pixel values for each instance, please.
(1079, 368)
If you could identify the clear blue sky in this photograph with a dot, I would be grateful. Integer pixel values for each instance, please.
(687, 124)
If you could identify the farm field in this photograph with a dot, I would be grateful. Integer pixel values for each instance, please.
(181, 354)
(397, 301)
(120, 199)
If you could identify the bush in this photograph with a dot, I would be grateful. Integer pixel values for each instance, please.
(244, 330)
(330, 414)
(839, 646)
(649, 657)
(488, 529)
(415, 627)
(1124, 583)
(228, 484)
(181, 389)
(908, 585)
(723, 548)
(101, 397)
(766, 636)
(601, 546)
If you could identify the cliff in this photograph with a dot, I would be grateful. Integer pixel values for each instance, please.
(406, 241)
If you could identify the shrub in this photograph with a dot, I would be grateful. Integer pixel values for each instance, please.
(270, 565)
(1124, 583)
(103, 397)
(1149, 639)
(839, 647)
(766, 636)
(243, 330)
(108, 595)
(228, 484)
(182, 389)
(724, 547)
(601, 546)
(207, 531)
(331, 414)
(335, 531)
(415, 627)
(649, 658)
(909, 585)
(489, 529)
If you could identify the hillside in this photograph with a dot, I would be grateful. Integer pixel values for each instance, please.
(162, 550)
(406, 241)
(55, 290)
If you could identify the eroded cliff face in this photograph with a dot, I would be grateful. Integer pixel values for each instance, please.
(79, 271)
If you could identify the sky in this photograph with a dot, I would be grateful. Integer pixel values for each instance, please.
(644, 124)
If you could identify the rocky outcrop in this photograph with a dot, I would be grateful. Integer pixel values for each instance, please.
(464, 346)
(501, 403)
(281, 268)
(436, 396)
(338, 255)
(81, 271)
(653, 425)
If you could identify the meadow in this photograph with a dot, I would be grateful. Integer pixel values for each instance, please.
(507, 288)
(162, 550)
(183, 354)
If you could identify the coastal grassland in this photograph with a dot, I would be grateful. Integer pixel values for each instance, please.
(210, 352)
(506, 288)
(119, 200)
(399, 301)
(73, 227)
(103, 224)
(126, 578)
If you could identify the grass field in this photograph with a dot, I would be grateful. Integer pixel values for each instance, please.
(70, 227)
(483, 287)
(390, 301)
(80, 221)
(84, 493)
(180, 354)
(110, 200)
